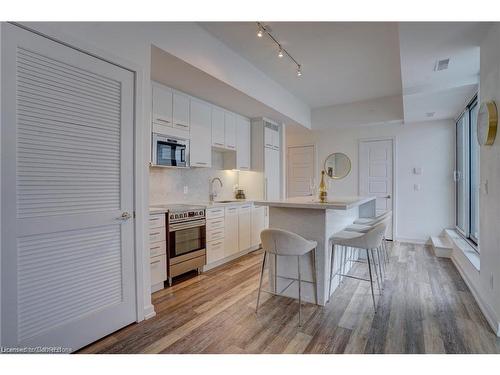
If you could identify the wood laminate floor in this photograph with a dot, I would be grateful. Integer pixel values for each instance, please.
(426, 308)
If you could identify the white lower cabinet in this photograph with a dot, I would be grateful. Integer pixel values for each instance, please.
(158, 272)
(157, 251)
(244, 227)
(258, 224)
(231, 245)
(232, 230)
(215, 251)
(215, 234)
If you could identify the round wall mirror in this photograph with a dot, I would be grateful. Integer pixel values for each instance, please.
(337, 165)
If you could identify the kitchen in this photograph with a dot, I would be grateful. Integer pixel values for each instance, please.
(208, 166)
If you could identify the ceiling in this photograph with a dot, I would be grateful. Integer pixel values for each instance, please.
(342, 62)
(350, 62)
(443, 92)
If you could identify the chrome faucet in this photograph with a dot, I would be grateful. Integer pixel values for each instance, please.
(213, 192)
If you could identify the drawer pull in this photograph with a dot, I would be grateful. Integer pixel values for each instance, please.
(162, 120)
(217, 244)
(216, 222)
(156, 247)
(184, 126)
(218, 144)
(154, 234)
(156, 261)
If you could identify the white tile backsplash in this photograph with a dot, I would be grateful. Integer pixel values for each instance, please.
(166, 185)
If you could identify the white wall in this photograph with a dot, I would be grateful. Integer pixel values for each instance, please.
(429, 145)
(373, 111)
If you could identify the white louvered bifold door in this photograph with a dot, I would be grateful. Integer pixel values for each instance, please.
(68, 275)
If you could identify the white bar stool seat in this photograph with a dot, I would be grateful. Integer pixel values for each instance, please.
(280, 242)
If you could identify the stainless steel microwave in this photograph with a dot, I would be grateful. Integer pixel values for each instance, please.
(169, 151)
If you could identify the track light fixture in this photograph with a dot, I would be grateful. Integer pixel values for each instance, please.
(281, 51)
(260, 33)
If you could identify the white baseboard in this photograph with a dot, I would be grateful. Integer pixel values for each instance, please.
(149, 312)
(489, 313)
(418, 241)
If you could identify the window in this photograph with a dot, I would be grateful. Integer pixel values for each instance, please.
(467, 174)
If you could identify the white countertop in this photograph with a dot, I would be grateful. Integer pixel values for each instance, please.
(158, 209)
(334, 202)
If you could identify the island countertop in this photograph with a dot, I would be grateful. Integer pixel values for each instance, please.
(333, 203)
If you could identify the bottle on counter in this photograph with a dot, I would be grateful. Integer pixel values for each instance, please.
(323, 190)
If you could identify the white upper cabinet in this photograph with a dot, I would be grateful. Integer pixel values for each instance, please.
(271, 137)
(217, 127)
(243, 137)
(180, 112)
(162, 105)
(230, 130)
(201, 130)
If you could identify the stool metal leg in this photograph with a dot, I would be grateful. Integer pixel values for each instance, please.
(260, 281)
(375, 266)
(314, 276)
(332, 258)
(300, 295)
(276, 273)
(371, 279)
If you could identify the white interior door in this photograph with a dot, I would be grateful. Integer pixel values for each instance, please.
(376, 174)
(301, 170)
(67, 155)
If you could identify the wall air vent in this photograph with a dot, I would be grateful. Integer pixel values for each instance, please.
(441, 65)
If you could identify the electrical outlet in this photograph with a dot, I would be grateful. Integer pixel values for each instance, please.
(185, 189)
(491, 281)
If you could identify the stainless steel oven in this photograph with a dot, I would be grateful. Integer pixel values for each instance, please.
(169, 151)
(186, 240)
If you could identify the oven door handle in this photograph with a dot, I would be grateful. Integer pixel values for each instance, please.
(189, 225)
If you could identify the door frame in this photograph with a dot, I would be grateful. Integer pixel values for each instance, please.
(394, 141)
(144, 308)
(315, 162)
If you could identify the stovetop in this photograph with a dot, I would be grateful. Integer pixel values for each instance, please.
(179, 207)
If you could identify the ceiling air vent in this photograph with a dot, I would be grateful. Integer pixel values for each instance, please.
(441, 65)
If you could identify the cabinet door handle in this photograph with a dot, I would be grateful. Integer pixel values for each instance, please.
(218, 144)
(162, 120)
(200, 162)
(217, 244)
(183, 125)
(156, 261)
(156, 247)
(154, 234)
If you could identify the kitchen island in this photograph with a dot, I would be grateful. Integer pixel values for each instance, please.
(315, 221)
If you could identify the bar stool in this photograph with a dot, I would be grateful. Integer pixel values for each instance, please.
(381, 252)
(367, 241)
(284, 243)
(387, 216)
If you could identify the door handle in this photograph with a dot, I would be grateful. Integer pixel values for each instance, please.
(388, 197)
(125, 216)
